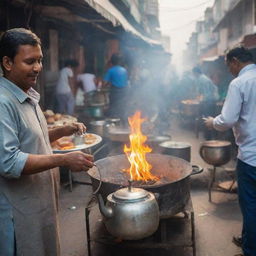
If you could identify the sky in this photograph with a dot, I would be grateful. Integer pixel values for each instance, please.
(177, 20)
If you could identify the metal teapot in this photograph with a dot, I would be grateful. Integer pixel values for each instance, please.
(130, 213)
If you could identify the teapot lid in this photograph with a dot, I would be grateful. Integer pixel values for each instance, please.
(130, 194)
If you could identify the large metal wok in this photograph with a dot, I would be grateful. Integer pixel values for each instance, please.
(172, 190)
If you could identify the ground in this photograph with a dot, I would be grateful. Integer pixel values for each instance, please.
(215, 223)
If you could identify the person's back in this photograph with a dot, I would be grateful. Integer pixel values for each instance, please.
(63, 86)
(88, 82)
(117, 76)
(207, 88)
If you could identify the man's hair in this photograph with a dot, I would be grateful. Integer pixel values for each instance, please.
(89, 69)
(13, 38)
(116, 59)
(197, 70)
(240, 53)
(72, 63)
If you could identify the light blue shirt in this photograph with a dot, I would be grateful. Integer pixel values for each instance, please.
(25, 199)
(117, 76)
(239, 113)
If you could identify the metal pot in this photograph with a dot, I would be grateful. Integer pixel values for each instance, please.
(173, 188)
(96, 110)
(175, 148)
(130, 213)
(154, 140)
(118, 133)
(98, 127)
(114, 121)
(190, 109)
(215, 152)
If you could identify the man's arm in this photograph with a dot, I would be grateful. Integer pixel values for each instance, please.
(66, 130)
(231, 108)
(230, 111)
(76, 161)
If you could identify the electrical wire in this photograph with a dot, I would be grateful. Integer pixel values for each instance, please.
(185, 25)
(168, 9)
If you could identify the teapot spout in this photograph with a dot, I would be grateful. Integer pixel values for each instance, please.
(105, 211)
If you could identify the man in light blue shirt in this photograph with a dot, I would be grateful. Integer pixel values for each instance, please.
(239, 113)
(28, 176)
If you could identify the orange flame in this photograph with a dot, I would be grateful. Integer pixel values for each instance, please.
(136, 153)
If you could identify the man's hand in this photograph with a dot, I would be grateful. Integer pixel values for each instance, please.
(66, 130)
(78, 161)
(78, 128)
(208, 121)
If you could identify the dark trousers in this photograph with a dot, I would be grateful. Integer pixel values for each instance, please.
(246, 178)
(117, 102)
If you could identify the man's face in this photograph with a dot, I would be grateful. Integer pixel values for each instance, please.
(233, 66)
(24, 69)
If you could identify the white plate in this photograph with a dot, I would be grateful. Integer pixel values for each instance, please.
(80, 146)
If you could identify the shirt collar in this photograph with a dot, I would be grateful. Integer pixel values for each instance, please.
(247, 68)
(33, 95)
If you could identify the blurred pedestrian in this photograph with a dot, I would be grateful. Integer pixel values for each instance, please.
(117, 77)
(87, 82)
(87, 79)
(208, 95)
(65, 89)
(239, 112)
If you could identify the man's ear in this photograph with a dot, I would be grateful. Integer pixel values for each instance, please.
(7, 63)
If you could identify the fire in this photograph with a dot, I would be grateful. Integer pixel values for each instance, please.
(136, 153)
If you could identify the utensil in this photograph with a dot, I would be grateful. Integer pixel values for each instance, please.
(173, 189)
(215, 152)
(130, 213)
(176, 148)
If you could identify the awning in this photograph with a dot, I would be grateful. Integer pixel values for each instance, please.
(111, 13)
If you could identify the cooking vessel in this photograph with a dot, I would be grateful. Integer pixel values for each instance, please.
(173, 188)
(96, 97)
(96, 110)
(130, 213)
(118, 133)
(113, 121)
(215, 152)
(175, 148)
(190, 109)
(121, 134)
(98, 127)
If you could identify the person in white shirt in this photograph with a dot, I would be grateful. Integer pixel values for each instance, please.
(239, 113)
(65, 88)
(87, 80)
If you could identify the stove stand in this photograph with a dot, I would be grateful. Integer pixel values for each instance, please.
(175, 236)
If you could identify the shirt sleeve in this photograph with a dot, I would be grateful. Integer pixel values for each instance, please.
(12, 160)
(231, 108)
